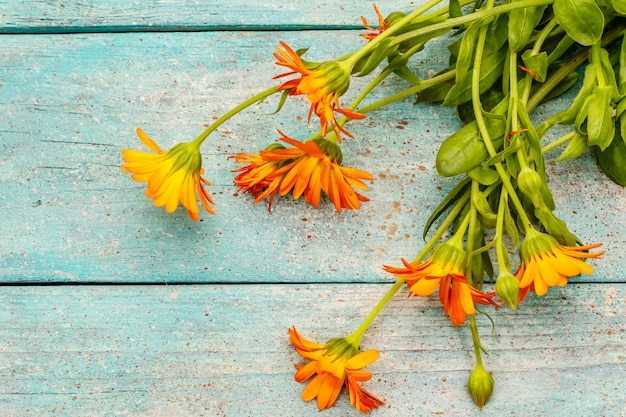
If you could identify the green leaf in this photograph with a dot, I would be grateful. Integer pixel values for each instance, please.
(465, 149)
(486, 216)
(453, 196)
(490, 71)
(582, 20)
(500, 156)
(612, 160)
(484, 175)
(600, 123)
(454, 8)
(522, 23)
(574, 148)
(281, 102)
(510, 226)
(537, 63)
(619, 6)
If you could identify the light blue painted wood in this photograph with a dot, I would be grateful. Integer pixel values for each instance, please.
(71, 104)
(118, 15)
(224, 351)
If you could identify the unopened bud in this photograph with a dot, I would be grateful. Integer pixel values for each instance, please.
(480, 385)
(529, 182)
(507, 288)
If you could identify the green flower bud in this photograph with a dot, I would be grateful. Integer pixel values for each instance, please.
(480, 385)
(507, 288)
(529, 182)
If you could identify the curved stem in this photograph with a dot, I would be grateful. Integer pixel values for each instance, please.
(234, 111)
(360, 331)
(462, 20)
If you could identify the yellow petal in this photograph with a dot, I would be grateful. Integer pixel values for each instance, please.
(361, 359)
(424, 286)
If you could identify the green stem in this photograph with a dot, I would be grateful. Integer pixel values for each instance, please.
(471, 236)
(558, 142)
(356, 337)
(476, 341)
(197, 141)
(482, 126)
(450, 75)
(462, 20)
(500, 249)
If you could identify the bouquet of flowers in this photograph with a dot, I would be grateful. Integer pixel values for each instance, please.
(504, 60)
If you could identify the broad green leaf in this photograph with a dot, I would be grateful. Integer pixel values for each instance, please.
(490, 71)
(582, 20)
(612, 160)
(522, 23)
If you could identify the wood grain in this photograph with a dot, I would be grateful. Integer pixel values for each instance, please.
(223, 350)
(71, 104)
(41, 16)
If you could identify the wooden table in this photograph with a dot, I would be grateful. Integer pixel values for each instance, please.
(111, 307)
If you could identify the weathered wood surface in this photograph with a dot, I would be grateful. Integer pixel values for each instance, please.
(70, 102)
(223, 350)
(176, 15)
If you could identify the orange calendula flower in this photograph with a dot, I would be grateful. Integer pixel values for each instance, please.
(173, 177)
(546, 263)
(333, 365)
(323, 84)
(306, 168)
(444, 269)
(382, 26)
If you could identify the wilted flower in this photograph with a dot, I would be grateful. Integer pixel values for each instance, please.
(333, 365)
(307, 168)
(374, 32)
(173, 177)
(546, 263)
(323, 84)
(444, 269)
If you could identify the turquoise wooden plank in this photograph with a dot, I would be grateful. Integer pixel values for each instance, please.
(40, 16)
(71, 104)
(223, 350)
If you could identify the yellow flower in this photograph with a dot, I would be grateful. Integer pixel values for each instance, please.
(307, 168)
(334, 364)
(173, 177)
(444, 269)
(546, 263)
(323, 84)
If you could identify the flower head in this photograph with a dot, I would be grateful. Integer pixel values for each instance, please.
(173, 177)
(444, 269)
(546, 263)
(374, 32)
(323, 84)
(333, 365)
(307, 168)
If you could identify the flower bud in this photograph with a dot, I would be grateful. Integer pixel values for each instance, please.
(529, 182)
(507, 288)
(480, 385)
